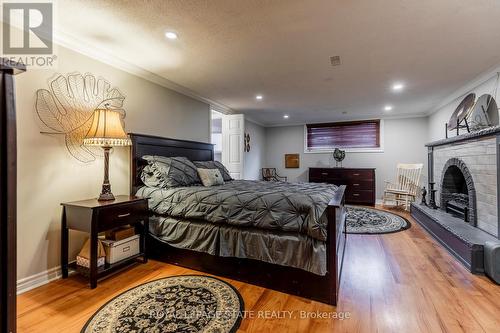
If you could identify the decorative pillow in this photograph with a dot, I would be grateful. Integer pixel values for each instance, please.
(210, 177)
(215, 165)
(169, 171)
(149, 178)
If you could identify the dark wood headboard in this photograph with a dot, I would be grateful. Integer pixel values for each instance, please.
(154, 145)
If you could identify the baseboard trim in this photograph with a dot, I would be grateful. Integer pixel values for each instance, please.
(37, 280)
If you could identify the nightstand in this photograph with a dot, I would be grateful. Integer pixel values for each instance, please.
(93, 216)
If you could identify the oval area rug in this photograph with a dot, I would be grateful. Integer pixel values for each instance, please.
(364, 220)
(187, 303)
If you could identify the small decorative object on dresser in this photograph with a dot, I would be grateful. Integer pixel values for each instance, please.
(339, 156)
(106, 131)
(94, 217)
(360, 182)
(292, 160)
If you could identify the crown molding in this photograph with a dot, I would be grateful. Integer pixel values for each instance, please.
(395, 117)
(76, 44)
(254, 121)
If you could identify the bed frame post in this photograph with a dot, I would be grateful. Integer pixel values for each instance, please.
(335, 244)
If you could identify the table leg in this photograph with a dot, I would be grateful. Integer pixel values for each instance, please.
(145, 230)
(93, 257)
(64, 244)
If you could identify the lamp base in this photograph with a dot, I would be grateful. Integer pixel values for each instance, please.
(106, 194)
(106, 197)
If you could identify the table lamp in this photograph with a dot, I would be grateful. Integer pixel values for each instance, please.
(106, 131)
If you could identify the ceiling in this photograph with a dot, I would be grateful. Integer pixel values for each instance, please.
(231, 50)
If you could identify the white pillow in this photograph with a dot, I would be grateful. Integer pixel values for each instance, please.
(210, 177)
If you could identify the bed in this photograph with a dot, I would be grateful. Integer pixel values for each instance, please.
(196, 237)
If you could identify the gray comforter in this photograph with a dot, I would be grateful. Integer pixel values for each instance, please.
(289, 207)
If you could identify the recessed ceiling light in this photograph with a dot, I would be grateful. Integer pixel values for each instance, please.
(259, 97)
(388, 108)
(286, 116)
(171, 35)
(398, 86)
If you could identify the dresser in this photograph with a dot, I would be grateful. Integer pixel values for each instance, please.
(360, 182)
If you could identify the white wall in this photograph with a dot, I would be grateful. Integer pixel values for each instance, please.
(48, 175)
(404, 142)
(255, 158)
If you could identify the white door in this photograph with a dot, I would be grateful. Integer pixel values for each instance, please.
(233, 129)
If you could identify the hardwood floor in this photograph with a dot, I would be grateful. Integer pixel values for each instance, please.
(401, 282)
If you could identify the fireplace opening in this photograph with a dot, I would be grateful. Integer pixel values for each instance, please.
(457, 191)
(457, 196)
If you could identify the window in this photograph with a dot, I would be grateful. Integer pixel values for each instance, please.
(355, 135)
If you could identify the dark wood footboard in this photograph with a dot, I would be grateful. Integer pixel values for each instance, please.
(336, 242)
(282, 278)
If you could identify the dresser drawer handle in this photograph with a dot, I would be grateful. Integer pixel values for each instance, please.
(355, 195)
(355, 184)
(124, 215)
(355, 174)
(324, 173)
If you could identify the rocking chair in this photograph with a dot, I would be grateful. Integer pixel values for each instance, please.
(269, 174)
(406, 187)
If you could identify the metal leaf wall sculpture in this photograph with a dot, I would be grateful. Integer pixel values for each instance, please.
(68, 106)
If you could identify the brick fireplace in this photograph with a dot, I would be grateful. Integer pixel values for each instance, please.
(466, 173)
(476, 157)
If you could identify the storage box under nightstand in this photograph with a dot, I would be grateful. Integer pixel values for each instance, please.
(122, 249)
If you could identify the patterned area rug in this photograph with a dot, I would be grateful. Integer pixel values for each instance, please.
(362, 220)
(187, 303)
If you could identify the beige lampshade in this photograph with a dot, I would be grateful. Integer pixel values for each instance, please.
(106, 130)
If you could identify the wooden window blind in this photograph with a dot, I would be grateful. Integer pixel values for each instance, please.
(352, 134)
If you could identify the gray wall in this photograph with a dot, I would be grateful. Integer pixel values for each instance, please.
(254, 159)
(48, 175)
(404, 142)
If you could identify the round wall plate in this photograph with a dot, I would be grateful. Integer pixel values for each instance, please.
(484, 113)
(462, 111)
